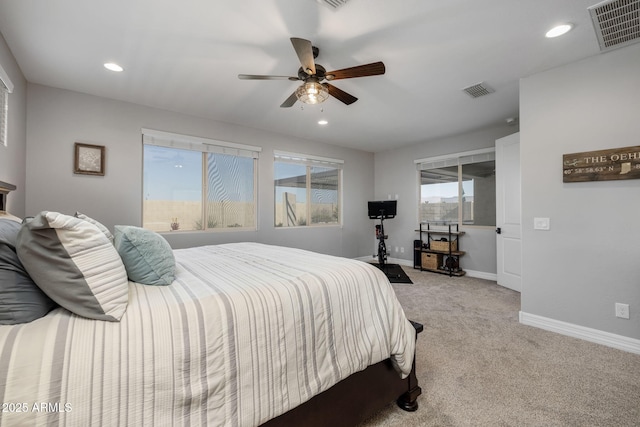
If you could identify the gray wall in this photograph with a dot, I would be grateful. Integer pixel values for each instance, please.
(59, 118)
(12, 157)
(396, 173)
(589, 259)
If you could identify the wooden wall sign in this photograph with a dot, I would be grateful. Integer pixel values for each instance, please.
(602, 165)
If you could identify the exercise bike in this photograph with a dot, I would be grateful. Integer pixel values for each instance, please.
(382, 247)
(382, 210)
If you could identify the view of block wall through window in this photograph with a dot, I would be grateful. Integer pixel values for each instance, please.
(190, 185)
(307, 191)
(458, 190)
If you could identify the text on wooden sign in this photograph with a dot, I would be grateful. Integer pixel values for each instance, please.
(602, 165)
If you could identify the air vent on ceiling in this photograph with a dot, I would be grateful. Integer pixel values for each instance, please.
(617, 23)
(333, 4)
(478, 89)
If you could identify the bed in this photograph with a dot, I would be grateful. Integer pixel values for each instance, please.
(245, 334)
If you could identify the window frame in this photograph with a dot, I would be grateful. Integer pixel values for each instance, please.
(6, 88)
(309, 161)
(459, 160)
(205, 146)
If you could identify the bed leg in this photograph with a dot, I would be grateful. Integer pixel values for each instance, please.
(409, 400)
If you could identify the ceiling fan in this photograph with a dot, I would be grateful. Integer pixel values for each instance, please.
(315, 90)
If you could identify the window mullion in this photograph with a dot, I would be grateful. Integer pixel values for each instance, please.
(460, 207)
(4, 113)
(255, 193)
(308, 195)
(205, 191)
(340, 197)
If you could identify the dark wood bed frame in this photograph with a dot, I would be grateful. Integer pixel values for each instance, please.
(356, 398)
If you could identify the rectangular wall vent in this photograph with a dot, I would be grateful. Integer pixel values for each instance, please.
(616, 22)
(333, 4)
(478, 89)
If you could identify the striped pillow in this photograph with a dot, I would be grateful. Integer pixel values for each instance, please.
(75, 264)
(98, 224)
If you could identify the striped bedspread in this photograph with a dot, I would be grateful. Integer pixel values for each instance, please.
(246, 332)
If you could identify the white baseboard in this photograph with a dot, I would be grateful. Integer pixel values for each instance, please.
(482, 275)
(608, 339)
(405, 262)
(365, 258)
(409, 263)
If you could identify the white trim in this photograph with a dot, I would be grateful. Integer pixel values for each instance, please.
(6, 87)
(304, 157)
(608, 339)
(455, 155)
(168, 136)
(482, 275)
(409, 263)
(371, 258)
(400, 261)
(6, 80)
(374, 260)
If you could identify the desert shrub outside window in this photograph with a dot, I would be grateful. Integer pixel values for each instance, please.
(192, 183)
(308, 190)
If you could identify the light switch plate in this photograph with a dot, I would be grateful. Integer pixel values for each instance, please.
(541, 223)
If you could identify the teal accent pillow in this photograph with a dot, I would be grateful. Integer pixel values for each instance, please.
(21, 300)
(75, 264)
(147, 256)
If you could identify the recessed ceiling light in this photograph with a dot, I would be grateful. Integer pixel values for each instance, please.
(322, 122)
(558, 30)
(113, 67)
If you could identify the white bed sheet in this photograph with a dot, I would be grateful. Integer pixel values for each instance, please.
(245, 333)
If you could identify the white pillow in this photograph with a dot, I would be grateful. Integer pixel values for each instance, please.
(97, 223)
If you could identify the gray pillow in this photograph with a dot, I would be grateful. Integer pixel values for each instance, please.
(21, 301)
(75, 264)
(146, 255)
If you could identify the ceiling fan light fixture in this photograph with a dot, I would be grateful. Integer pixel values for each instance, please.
(312, 92)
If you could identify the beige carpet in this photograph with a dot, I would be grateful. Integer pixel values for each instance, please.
(478, 366)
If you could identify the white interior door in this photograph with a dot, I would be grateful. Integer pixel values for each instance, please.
(508, 212)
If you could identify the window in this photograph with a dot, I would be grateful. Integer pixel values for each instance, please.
(460, 189)
(192, 183)
(6, 87)
(308, 190)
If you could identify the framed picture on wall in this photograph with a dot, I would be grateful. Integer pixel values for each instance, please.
(88, 159)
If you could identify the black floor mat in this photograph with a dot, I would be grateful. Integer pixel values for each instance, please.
(395, 273)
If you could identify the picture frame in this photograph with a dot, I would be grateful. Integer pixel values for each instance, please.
(88, 159)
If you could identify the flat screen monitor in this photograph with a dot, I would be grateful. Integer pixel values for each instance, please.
(382, 209)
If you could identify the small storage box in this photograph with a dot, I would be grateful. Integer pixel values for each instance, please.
(432, 261)
(438, 245)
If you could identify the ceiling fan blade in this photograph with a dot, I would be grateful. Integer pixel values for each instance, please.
(373, 69)
(258, 77)
(340, 95)
(304, 50)
(289, 101)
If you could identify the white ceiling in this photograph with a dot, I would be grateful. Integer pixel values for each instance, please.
(185, 56)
